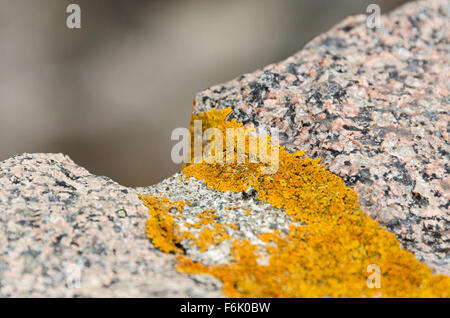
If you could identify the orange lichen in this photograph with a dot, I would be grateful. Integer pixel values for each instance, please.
(315, 262)
(161, 227)
(208, 237)
(232, 226)
(213, 119)
(206, 217)
(327, 257)
(166, 233)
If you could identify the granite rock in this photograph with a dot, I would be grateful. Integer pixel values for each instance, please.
(241, 214)
(374, 105)
(67, 233)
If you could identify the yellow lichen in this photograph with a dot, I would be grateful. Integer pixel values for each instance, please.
(327, 257)
(161, 227)
(212, 119)
(206, 217)
(208, 237)
(166, 233)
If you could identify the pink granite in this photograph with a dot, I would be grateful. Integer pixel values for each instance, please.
(374, 105)
(67, 233)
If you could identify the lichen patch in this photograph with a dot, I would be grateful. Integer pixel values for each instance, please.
(326, 252)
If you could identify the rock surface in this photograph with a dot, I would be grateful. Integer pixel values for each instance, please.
(241, 214)
(374, 105)
(65, 232)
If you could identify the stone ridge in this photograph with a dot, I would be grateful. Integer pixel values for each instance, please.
(58, 221)
(374, 105)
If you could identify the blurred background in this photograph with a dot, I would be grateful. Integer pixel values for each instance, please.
(110, 93)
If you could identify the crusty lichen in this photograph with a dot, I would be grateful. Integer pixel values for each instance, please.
(161, 227)
(166, 233)
(327, 257)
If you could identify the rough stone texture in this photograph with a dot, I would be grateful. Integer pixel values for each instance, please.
(58, 222)
(374, 105)
(251, 216)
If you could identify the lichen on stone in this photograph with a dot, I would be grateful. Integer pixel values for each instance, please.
(327, 256)
(161, 227)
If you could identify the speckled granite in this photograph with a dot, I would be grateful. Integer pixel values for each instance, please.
(374, 105)
(249, 216)
(65, 232)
